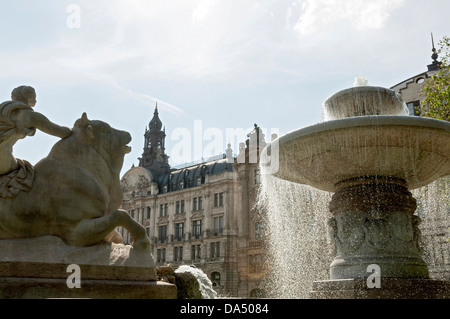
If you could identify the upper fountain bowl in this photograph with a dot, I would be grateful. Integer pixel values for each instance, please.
(363, 101)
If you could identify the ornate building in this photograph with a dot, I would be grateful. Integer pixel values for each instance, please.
(202, 214)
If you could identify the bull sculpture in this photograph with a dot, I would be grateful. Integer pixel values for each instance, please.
(76, 191)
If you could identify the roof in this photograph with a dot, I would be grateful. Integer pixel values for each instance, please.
(193, 175)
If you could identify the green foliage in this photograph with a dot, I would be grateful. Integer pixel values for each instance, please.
(436, 102)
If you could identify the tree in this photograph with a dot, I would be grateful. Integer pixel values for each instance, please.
(436, 93)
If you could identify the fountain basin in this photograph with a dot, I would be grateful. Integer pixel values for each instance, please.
(414, 149)
(364, 101)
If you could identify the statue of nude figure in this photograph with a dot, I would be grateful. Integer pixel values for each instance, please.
(18, 120)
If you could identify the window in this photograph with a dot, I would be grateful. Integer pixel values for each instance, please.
(161, 255)
(177, 253)
(197, 228)
(215, 278)
(257, 176)
(195, 252)
(163, 210)
(147, 231)
(218, 225)
(179, 207)
(148, 212)
(218, 199)
(162, 234)
(132, 213)
(197, 203)
(215, 250)
(179, 231)
(413, 108)
(259, 230)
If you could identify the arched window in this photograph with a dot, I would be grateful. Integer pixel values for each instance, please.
(204, 172)
(215, 278)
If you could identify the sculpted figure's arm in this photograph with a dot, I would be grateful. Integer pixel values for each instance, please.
(35, 119)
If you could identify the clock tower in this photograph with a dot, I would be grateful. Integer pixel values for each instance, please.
(154, 157)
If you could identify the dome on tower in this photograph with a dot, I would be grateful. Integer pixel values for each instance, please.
(155, 123)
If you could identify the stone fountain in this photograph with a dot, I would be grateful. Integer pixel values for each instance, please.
(369, 153)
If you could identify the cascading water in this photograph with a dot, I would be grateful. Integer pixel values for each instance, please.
(434, 209)
(299, 248)
(363, 100)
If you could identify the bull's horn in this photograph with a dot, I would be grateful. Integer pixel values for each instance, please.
(84, 120)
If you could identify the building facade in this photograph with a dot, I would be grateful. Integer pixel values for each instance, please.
(201, 215)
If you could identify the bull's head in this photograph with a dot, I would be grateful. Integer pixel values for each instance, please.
(110, 143)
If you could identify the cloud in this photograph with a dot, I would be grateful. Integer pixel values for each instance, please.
(203, 10)
(363, 15)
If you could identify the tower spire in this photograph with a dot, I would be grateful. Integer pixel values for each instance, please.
(154, 157)
(434, 56)
(436, 64)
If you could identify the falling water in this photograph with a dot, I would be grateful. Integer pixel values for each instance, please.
(299, 248)
(434, 209)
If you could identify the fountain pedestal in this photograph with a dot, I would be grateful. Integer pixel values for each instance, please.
(376, 243)
(373, 224)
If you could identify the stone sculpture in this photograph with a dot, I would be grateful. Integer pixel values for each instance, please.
(76, 191)
(18, 120)
(64, 211)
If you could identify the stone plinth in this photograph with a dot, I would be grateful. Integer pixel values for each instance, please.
(43, 288)
(390, 288)
(38, 268)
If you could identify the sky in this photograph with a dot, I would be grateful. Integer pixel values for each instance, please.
(214, 67)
